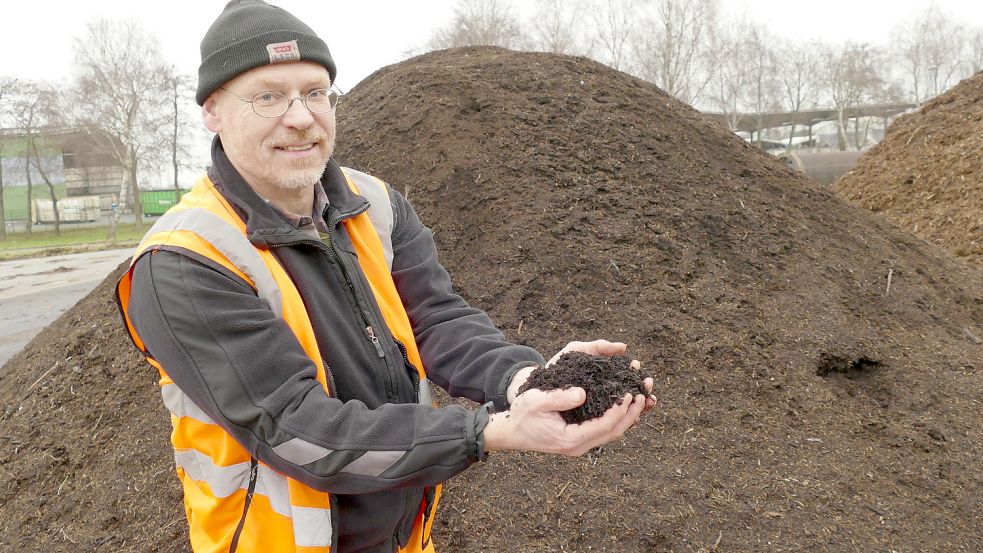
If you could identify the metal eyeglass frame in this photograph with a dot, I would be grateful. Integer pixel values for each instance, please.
(333, 98)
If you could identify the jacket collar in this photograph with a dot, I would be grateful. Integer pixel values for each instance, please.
(263, 224)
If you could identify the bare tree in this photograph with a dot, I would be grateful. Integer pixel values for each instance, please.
(122, 97)
(945, 48)
(745, 78)
(673, 49)
(909, 54)
(797, 76)
(556, 27)
(975, 51)
(760, 60)
(614, 30)
(852, 75)
(480, 23)
(7, 86)
(181, 91)
(35, 115)
(729, 81)
(930, 50)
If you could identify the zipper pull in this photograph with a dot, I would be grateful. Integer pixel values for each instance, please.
(375, 341)
(253, 474)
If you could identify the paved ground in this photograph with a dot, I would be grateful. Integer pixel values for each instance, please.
(34, 292)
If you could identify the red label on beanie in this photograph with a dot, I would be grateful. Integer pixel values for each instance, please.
(283, 51)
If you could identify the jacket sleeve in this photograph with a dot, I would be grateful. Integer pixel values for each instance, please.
(461, 348)
(244, 368)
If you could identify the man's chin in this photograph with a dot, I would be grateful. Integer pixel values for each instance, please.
(295, 180)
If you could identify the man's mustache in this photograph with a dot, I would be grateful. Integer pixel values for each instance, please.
(301, 138)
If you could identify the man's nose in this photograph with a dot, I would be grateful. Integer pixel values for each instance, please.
(297, 115)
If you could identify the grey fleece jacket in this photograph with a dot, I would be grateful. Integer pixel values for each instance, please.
(243, 367)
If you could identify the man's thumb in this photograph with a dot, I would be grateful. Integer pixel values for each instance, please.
(562, 400)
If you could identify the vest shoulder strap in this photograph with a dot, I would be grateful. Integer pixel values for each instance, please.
(225, 238)
(381, 211)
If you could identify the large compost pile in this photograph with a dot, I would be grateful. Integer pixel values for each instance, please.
(819, 370)
(927, 174)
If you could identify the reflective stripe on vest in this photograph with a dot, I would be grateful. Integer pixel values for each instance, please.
(228, 240)
(311, 527)
(180, 405)
(204, 222)
(296, 450)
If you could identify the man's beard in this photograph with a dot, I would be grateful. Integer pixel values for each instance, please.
(305, 175)
(299, 180)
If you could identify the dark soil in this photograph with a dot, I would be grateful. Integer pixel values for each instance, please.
(573, 202)
(925, 175)
(85, 456)
(606, 379)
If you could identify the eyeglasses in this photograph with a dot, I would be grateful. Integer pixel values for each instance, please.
(273, 104)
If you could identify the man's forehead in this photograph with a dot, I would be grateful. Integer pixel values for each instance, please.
(285, 75)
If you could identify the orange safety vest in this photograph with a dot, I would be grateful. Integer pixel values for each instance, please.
(220, 478)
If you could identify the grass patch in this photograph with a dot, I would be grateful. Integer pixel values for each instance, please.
(88, 236)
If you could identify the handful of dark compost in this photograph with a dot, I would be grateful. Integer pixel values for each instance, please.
(605, 378)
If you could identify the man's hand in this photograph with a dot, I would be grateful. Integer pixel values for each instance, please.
(518, 379)
(534, 424)
(597, 347)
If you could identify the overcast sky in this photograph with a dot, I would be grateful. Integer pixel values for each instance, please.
(364, 35)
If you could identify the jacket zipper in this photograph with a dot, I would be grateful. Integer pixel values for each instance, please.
(375, 341)
(414, 374)
(336, 258)
(250, 489)
(369, 331)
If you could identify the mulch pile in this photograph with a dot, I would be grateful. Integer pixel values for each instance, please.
(805, 403)
(927, 174)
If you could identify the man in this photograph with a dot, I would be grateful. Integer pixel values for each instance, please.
(296, 312)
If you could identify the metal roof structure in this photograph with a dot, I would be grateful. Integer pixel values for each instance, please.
(748, 122)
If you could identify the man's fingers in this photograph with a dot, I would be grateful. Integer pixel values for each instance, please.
(597, 347)
(610, 426)
(609, 420)
(603, 347)
(648, 383)
(630, 417)
(618, 420)
(562, 400)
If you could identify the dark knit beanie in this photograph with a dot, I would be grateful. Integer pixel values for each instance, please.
(252, 33)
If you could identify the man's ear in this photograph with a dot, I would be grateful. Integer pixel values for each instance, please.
(210, 115)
